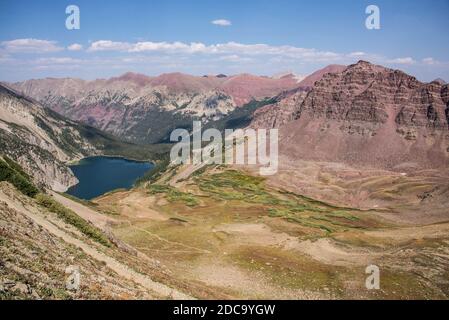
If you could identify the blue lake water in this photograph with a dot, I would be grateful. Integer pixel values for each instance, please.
(98, 175)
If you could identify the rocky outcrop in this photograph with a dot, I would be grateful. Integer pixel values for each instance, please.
(445, 97)
(40, 140)
(277, 114)
(309, 81)
(286, 107)
(46, 170)
(368, 93)
(366, 115)
(37, 260)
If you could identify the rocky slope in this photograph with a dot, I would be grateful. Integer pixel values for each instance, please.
(40, 249)
(34, 261)
(147, 109)
(365, 115)
(309, 81)
(39, 140)
(274, 116)
(43, 142)
(279, 113)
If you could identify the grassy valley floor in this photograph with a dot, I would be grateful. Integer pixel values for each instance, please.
(222, 233)
(228, 234)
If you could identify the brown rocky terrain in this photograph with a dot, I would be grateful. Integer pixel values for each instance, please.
(274, 116)
(368, 137)
(40, 249)
(236, 233)
(309, 81)
(363, 179)
(366, 115)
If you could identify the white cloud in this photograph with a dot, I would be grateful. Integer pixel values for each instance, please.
(222, 22)
(357, 54)
(57, 67)
(230, 51)
(5, 58)
(30, 46)
(230, 48)
(193, 57)
(407, 60)
(429, 61)
(107, 45)
(75, 47)
(234, 58)
(57, 60)
(165, 46)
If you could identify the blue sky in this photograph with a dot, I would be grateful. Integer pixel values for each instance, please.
(260, 37)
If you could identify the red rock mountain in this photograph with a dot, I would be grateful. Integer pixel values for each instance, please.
(365, 115)
(276, 115)
(241, 88)
(310, 80)
(145, 109)
(244, 87)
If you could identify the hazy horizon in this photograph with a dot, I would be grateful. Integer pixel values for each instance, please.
(190, 74)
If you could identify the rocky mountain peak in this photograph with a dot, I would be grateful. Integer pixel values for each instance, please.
(309, 81)
(366, 114)
(439, 81)
(365, 66)
(136, 78)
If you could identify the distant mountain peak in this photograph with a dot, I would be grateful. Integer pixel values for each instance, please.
(364, 62)
(137, 78)
(310, 80)
(365, 65)
(440, 81)
(289, 75)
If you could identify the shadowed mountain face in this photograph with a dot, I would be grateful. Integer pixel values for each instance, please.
(147, 109)
(43, 141)
(365, 115)
(39, 139)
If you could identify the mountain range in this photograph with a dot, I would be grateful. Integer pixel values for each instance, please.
(146, 109)
(362, 179)
(362, 114)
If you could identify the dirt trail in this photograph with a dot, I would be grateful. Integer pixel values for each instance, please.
(110, 262)
(99, 220)
(194, 249)
(433, 231)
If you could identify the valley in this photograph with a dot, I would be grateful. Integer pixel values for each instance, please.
(363, 180)
(230, 230)
(44, 142)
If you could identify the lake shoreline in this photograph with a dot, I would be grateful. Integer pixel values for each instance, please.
(77, 161)
(100, 174)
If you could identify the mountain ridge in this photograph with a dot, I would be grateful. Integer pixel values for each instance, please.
(145, 109)
(43, 142)
(365, 115)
